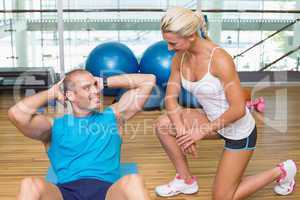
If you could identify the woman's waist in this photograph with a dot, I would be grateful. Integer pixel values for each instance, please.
(243, 121)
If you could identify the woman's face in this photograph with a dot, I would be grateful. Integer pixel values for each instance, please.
(176, 42)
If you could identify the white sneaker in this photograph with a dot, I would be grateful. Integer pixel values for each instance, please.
(177, 186)
(286, 183)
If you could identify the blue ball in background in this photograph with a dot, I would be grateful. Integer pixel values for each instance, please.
(114, 58)
(111, 58)
(157, 60)
(187, 99)
(154, 102)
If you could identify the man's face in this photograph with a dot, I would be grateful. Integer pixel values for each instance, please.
(86, 92)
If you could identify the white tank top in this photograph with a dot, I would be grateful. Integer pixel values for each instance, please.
(211, 95)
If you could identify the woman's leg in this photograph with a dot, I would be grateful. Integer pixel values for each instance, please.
(38, 189)
(130, 187)
(166, 136)
(184, 183)
(229, 184)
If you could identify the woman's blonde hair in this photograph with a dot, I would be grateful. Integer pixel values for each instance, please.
(184, 22)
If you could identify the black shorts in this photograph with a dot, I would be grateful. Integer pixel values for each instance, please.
(84, 189)
(248, 143)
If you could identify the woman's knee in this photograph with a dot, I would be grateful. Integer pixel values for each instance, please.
(223, 194)
(162, 125)
(194, 117)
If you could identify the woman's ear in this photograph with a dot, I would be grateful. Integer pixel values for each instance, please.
(192, 38)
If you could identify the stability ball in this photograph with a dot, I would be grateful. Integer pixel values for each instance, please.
(187, 99)
(111, 58)
(157, 60)
(154, 102)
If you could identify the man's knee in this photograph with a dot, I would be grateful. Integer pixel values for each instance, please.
(132, 181)
(32, 186)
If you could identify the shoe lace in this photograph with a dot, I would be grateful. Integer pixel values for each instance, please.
(283, 173)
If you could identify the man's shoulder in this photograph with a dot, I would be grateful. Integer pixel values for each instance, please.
(59, 118)
(109, 113)
(109, 110)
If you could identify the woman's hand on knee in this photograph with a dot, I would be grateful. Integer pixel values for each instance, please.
(192, 149)
(189, 139)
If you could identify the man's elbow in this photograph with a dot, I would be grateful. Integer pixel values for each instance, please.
(151, 79)
(12, 113)
(15, 115)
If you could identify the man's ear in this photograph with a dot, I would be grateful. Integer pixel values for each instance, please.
(70, 96)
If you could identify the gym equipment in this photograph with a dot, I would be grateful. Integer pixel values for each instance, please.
(111, 58)
(157, 97)
(27, 81)
(157, 60)
(154, 102)
(257, 104)
(187, 99)
(22, 78)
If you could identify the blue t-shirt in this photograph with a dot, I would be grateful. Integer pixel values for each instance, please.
(86, 147)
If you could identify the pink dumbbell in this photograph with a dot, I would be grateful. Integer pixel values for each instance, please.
(260, 106)
(257, 104)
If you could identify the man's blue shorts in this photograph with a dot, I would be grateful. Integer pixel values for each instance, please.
(84, 189)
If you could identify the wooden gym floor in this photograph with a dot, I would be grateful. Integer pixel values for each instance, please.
(278, 139)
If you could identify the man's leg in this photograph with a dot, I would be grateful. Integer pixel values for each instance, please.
(38, 189)
(130, 187)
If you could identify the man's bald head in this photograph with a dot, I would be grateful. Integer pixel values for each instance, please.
(71, 78)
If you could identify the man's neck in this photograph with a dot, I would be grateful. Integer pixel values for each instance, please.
(77, 112)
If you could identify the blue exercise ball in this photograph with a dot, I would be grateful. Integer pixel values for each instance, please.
(156, 99)
(111, 58)
(154, 102)
(157, 60)
(187, 99)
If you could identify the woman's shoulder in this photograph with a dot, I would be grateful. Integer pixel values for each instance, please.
(220, 53)
(176, 60)
(221, 62)
(178, 56)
